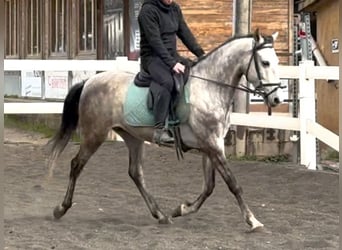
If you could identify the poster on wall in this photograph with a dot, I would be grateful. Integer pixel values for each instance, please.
(56, 84)
(31, 84)
(134, 30)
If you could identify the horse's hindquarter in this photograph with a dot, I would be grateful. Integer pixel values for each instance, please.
(102, 100)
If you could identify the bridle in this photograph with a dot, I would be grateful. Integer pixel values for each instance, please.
(260, 89)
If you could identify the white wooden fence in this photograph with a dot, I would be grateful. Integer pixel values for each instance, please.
(306, 72)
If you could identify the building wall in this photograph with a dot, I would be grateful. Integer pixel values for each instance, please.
(212, 24)
(272, 16)
(327, 93)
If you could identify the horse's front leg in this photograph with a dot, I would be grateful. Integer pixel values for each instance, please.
(135, 171)
(208, 187)
(221, 165)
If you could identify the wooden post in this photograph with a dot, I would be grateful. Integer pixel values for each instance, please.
(307, 113)
(241, 26)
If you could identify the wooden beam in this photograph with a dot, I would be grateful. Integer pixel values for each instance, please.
(313, 72)
(304, 4)
(265, 121)
(242, 23)
(323, 134)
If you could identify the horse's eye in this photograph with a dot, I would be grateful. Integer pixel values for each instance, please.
(265, 63)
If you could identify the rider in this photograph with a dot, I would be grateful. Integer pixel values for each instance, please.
(160, 23)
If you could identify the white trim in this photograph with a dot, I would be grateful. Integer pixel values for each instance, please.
(265, 121)
(121, 63)
(33, 108)
(313, 72)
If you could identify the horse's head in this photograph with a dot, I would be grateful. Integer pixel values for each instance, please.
(262, 68)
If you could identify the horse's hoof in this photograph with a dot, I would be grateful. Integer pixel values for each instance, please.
(177, 212)
(182, 209)
(255, 223)
(257, 228)
(165, 221)
(58, 212)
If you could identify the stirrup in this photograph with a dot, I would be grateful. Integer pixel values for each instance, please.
(161, 136)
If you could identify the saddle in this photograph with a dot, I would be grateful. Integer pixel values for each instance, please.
(144, 79)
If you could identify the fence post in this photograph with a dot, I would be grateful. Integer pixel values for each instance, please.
(242, 10)
(307, 111)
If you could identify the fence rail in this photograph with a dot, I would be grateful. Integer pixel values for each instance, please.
(121, 63)
(306, 72)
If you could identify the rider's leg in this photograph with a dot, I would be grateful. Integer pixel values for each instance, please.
(161, 91)
(161, 104)
(161, 74)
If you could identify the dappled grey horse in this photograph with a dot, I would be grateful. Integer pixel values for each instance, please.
(96, 107)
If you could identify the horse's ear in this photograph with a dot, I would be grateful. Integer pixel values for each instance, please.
(275, 35)
(257, 36)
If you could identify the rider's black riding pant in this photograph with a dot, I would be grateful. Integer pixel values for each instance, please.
(161, 88)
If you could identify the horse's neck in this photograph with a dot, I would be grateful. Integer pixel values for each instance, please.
(225, 65)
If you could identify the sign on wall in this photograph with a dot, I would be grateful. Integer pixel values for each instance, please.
(135, 32)
(56, 84)
(334, 46)
(31, 84)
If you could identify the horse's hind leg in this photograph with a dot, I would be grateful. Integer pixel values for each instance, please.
(87, 149)
(221, 165)
(135, 147)
(208, 187)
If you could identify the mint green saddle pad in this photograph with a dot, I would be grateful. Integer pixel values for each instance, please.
(135, 108)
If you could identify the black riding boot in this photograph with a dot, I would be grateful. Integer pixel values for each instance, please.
(161, 105)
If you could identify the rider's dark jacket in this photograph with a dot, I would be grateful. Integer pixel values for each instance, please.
(160, 25)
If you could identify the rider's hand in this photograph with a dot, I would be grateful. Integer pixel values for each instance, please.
(178, 68)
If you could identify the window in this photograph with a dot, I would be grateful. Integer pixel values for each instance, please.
(33, 28)
(113, 29)
(58, 26)
(87, 33)
(12, 28)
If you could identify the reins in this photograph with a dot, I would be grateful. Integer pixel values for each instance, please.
(241, 87)
(259, 90)
(256, 91)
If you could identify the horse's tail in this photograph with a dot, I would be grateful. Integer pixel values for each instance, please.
(69, 122)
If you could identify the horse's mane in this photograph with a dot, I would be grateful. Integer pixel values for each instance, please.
(268, 39)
